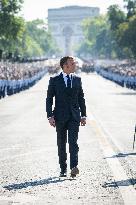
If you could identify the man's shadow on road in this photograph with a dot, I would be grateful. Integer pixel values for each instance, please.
(50, 180)
(115, 184)
(125, 93)
(122, 155)
(126, 182)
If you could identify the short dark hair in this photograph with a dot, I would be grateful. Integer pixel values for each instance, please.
(63, 60)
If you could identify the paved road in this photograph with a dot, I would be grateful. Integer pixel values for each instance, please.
(114, 107)
(28, 154)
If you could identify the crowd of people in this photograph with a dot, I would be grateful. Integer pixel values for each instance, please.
(87, 67)
(18, 76)
(15, 77)
(122, 73)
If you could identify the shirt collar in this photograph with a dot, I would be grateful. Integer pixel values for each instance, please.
(65, 74)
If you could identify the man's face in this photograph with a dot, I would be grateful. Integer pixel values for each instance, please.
(71, 65)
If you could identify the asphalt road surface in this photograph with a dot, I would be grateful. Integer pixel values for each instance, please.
(29, 170)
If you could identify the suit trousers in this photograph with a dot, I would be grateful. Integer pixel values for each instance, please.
(67, 129)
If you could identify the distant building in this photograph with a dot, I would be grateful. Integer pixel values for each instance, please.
(65, 26)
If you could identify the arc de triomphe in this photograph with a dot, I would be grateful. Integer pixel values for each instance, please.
(65, 26)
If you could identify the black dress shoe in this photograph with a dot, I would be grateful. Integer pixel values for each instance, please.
(63, 173)
(74, 172)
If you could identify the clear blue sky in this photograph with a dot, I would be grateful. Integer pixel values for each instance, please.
(33, 9)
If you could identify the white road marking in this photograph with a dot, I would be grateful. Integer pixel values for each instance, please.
(107, 133)
(122, 180)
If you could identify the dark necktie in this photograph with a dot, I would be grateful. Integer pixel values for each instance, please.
(68, 82)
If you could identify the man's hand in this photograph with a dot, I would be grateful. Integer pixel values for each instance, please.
(52, 121)
(83, 121)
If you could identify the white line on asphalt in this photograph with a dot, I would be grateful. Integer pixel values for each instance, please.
(107, 133)
(126, 188)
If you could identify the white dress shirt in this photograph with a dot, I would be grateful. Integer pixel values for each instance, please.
(65, 78)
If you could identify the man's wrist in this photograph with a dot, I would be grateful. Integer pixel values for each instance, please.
(84, 117)
(50, 117)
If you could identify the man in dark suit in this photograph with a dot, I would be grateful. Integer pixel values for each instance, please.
(69, 112)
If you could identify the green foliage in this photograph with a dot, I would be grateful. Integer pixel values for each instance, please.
(20, 37)
(104, 43)
(131, 7)
(98, 41)
(11, 26)
(10, 6)
(127, 35)
(85, 47)
(113, 35)
(37, 39)
(115, 16)
(93, 26)
(109, 36)
(123, 29)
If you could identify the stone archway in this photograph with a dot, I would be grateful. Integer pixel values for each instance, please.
(67, 33)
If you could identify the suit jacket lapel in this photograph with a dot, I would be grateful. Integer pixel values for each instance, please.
(74, 81)
(61, 80)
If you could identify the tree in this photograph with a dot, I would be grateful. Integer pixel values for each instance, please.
(132, 34)
(11, 26)
(92, 28)
(37, 40)
(104, 43)
(113, 35)
(127, 36)
(131, 7)
(115, 16)
(123, 29)
(85, 48)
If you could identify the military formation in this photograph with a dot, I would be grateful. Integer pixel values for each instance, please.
(15, 77)
(18, 76)
(122, 73)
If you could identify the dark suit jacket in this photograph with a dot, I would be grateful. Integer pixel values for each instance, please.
(68, 101)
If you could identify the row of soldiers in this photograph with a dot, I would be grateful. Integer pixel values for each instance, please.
(15, 77)
(122, 73)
